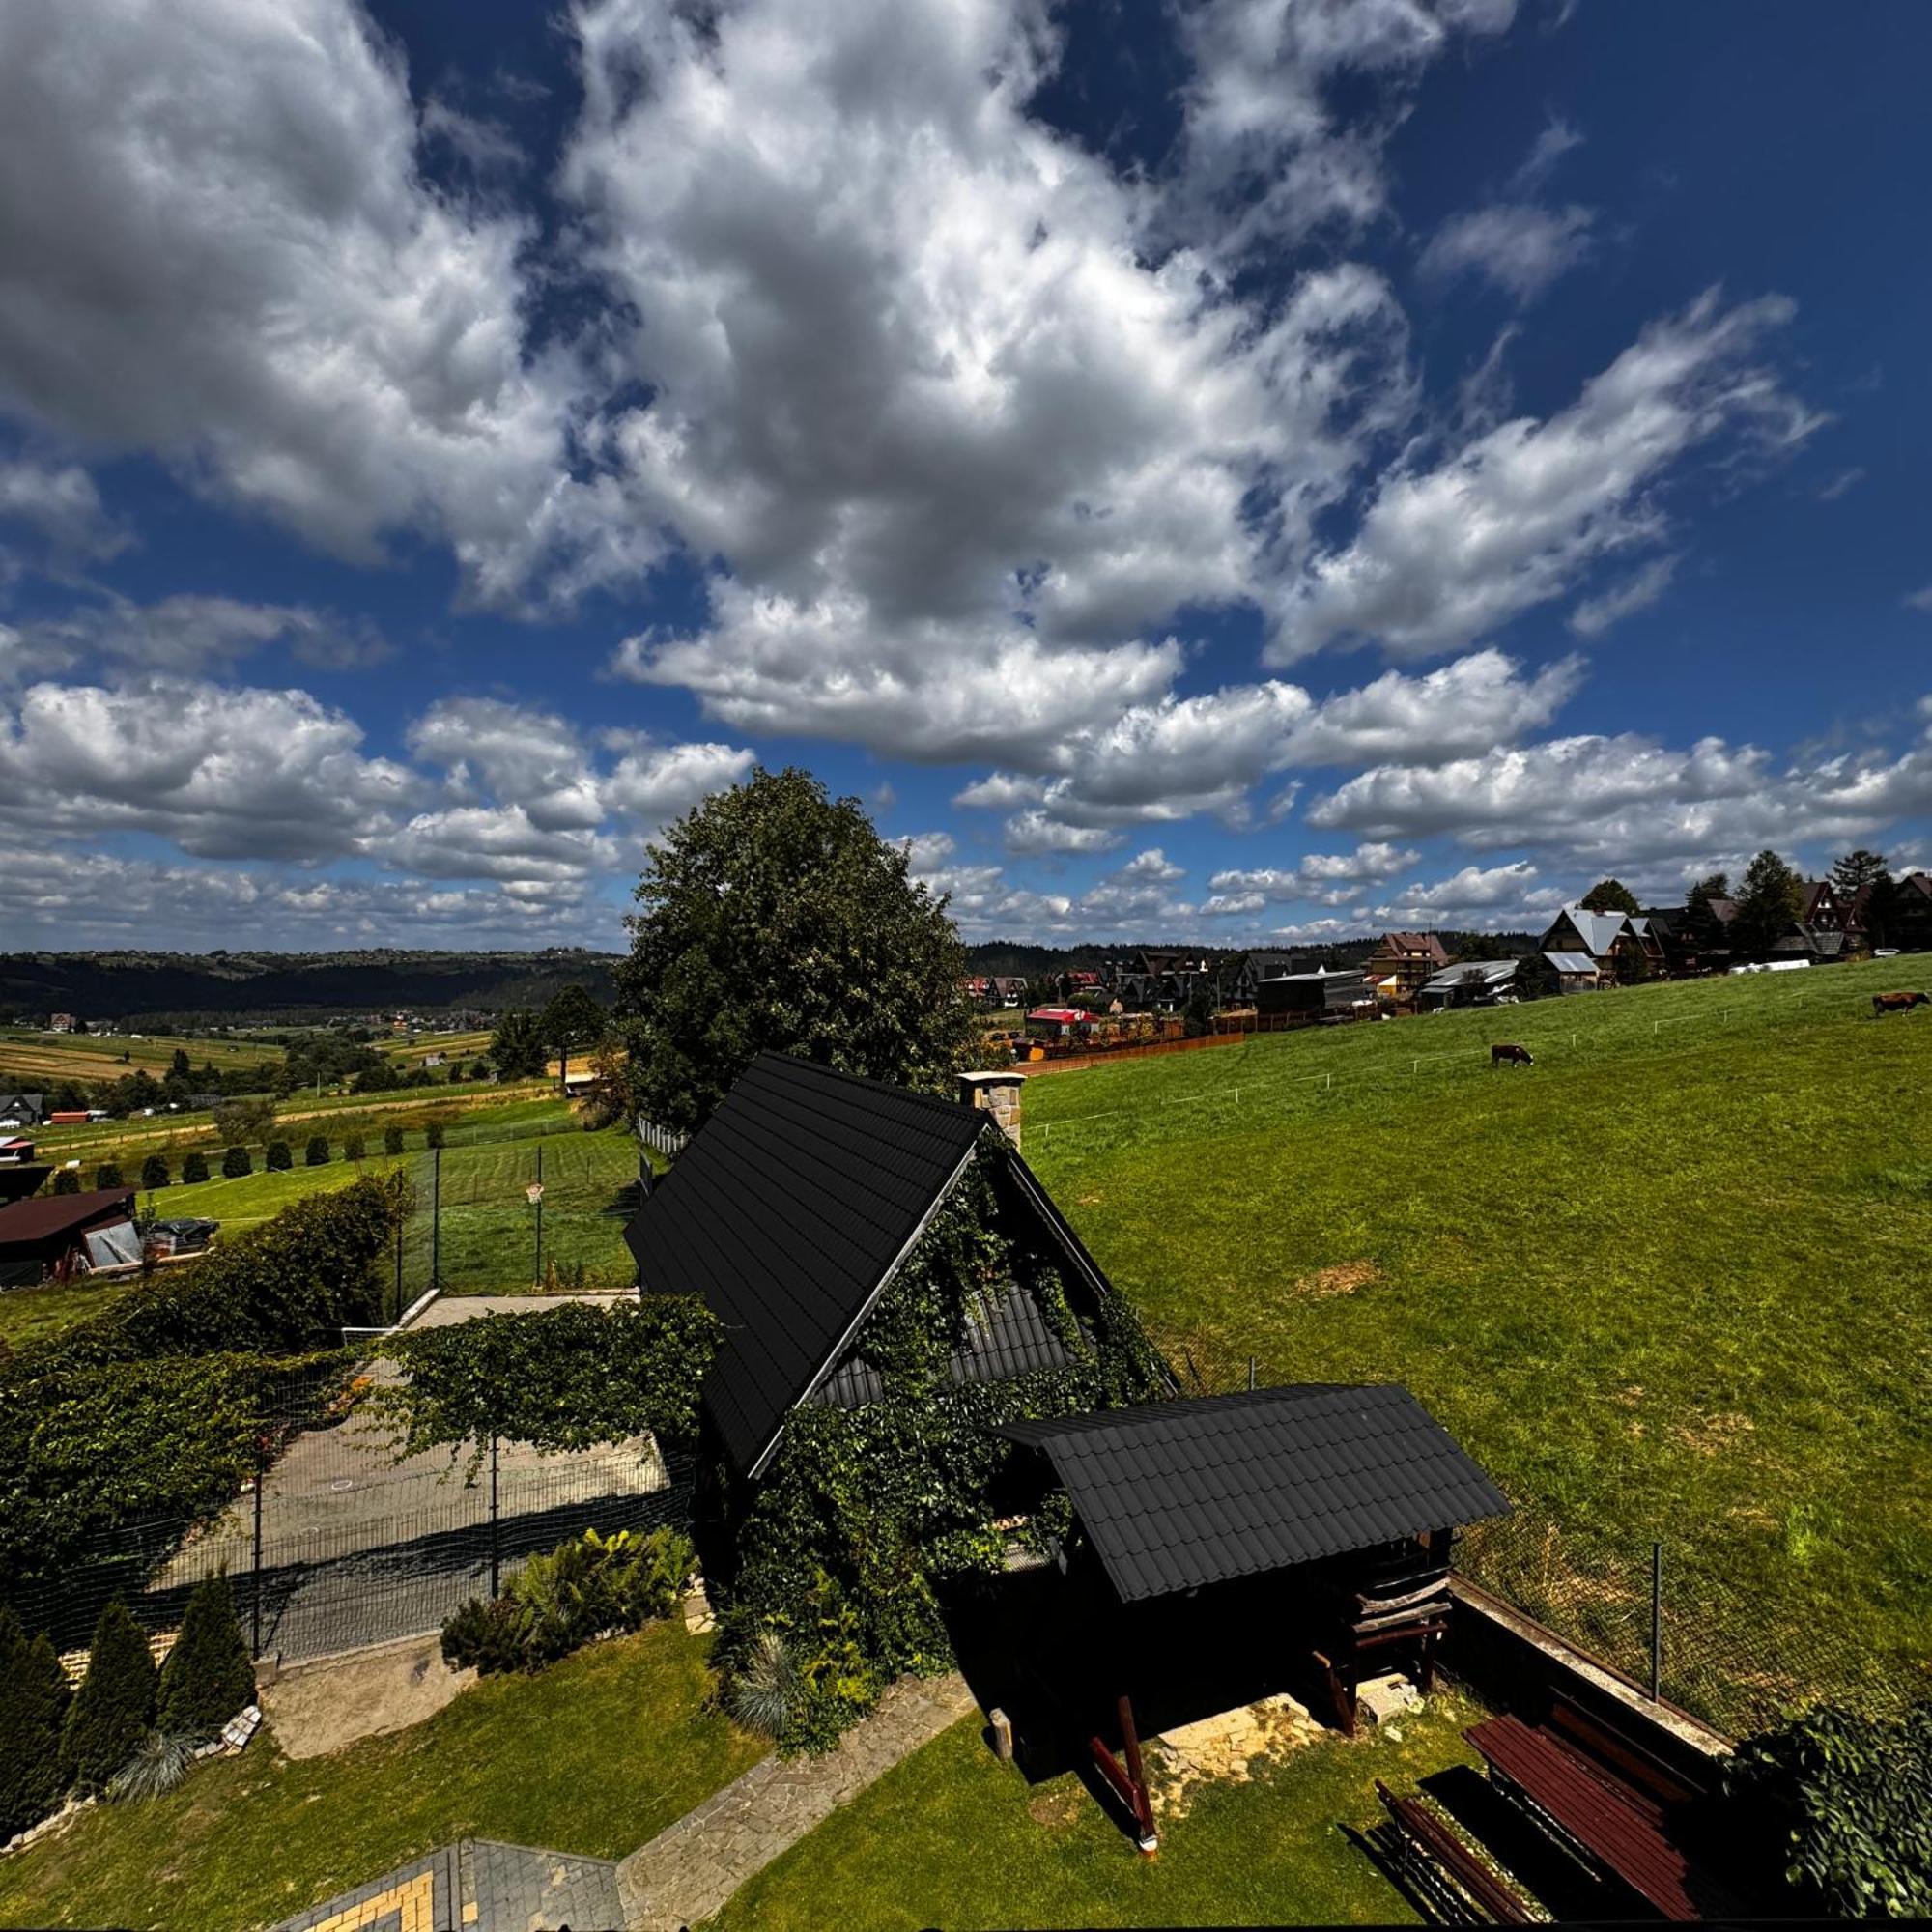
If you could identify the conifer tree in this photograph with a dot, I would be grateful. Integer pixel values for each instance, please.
(115, 1705)
(207, 1676)
(33, 1700)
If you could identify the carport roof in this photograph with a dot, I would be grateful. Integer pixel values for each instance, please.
(1175, 1494)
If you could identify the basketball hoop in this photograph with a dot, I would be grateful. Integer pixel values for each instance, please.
(533, 1193)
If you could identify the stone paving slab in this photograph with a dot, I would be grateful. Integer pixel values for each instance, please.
(691, 1869)
(478, 1884)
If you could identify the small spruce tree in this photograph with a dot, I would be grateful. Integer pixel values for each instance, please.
(115, 1705)
(33, 1700)
(235, 1163)
(433, 1134)
(207, 1676)
(155, 1172)
(278, 1158)
(392, 1139)
(67, 1180)
(109, 1175)
(317, 1155)
(354, 1148)
(195, 1167)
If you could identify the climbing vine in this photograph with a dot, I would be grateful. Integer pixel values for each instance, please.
(865, 1514)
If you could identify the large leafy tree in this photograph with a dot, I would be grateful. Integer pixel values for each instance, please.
(1609, 895)
(774, 915)
(1772, 897)
(571, 1023)
(517, 1047)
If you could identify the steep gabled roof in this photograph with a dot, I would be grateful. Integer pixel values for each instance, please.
(1175, 1494)
(788, 1213)
(1598, 931)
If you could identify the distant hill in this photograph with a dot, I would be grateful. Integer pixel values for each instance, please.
(196, 988)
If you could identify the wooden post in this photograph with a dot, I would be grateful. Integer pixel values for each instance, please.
(1131, 1742)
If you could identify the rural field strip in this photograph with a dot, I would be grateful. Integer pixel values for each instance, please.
(1618, 1033)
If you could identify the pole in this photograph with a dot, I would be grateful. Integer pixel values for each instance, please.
(495, 1552)
(436, 1217)
(400, 1219)
(539, 1276)
(1251, 1372)
(255, 1591)
(1655, 1618)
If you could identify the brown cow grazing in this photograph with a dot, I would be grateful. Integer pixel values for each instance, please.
(1897, 1003)
(1511, 1056)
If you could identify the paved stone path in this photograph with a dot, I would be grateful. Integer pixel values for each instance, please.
(475, 1884)
(689, 1870)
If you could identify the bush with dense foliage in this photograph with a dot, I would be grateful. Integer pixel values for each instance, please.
(1849, 1797)
(433, 1134)
(237, 1162)
(863, 1511)
(66, 1181)
(591, 1586)
(109, 1175)
(277, 1158)
(195, 1167)
(147, 1412)
(33, 1701)
(392, 1139)
(155, 1172)
(115, 1705)
(316, 1154)
(207, 1676)
(762, 910)
(568, 1378)
(354, 1148)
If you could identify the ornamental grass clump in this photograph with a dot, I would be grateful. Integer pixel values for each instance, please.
(160, 1763)
(589, 1587)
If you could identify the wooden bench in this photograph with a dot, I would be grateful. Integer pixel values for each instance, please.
(1427, 1837)
(1617, 1831)
(1625, 1761)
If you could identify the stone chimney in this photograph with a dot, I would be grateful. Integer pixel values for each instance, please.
(996, 1091)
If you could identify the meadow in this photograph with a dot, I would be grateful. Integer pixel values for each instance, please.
(31, 1061)
(1669, 1283)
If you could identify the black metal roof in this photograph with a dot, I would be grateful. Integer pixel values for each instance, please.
(787, 1213)
(1006, 1336)
(1175, 1494)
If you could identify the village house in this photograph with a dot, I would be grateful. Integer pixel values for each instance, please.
(23, 1110)
(1607, 939)
(1473, 982)
(1408, 960)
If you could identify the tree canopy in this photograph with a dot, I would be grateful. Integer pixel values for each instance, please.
(1772, 897)
(1609, 895)
(775, 916)
(1857, 870)
(573, 1020)
(517, 1047)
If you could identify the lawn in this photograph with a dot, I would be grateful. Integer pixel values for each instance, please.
(33, 1314)
(953, 1837)
(1671, 1283)
(595, 1755)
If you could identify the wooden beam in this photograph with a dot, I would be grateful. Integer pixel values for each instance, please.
(1136, 1771)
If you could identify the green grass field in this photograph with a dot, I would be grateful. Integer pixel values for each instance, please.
(953, 1837)
(595, 1755)
(1671, 1283)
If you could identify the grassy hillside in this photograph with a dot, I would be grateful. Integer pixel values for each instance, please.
(1670, 1283)
(33, 1061)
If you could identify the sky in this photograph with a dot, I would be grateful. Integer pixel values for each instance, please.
(1245, 471)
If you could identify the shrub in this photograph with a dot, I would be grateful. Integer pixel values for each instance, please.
(354, 1148)
(765, 1694)
(161, 1761)
(392, 1139)
(1850, 1795)
(109, 1175)
(32, 1699)
(207, 1676)
(317, 1152)
(278, 1159)
(581, 1589)
(155, 1172)
(235, 1163)
(67, 1180)
(433, 1134)
(195, 1167)
(114, 1706)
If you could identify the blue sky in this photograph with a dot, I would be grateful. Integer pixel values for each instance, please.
(1261, 468)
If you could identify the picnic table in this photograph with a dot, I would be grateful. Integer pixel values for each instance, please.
(1622, 1832)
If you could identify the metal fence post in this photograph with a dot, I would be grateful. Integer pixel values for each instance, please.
(1251, 1372)
(255, 1588)
(496, 1551)
(401, 1218)
(436, 1217)
(539, 1276)
(1655, 1617)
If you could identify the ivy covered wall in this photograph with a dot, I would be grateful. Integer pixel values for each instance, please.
(863, 1511)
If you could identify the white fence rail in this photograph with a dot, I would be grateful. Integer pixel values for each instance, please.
(665, 1139)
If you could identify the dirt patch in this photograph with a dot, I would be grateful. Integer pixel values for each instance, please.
(1709, 1435)
(1057, 1806)
(323, 1707)
(1344, 1278)
(1090, 1200)
(1226, 1749)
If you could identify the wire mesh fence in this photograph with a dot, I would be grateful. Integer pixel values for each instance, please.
(1668, 1613)
(339, 1543)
